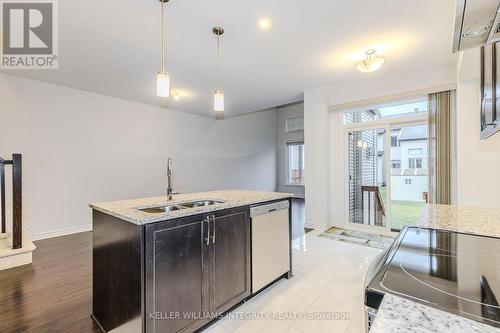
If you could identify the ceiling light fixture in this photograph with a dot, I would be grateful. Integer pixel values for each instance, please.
(476, 31)
(162, 78)
(371, 62)
(264, 23)
(177, 95)
(218, 94)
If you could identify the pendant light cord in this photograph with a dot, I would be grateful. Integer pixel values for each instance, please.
(218, 63)
(162, 40)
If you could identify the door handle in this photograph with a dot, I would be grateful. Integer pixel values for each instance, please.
(207, 239)
(213, 220)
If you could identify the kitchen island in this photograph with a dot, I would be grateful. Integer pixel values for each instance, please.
(403, 315)
(175, 265)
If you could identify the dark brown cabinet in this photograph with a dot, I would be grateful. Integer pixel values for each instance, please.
(170, 276)
(230, 259)
(176, 276)
(196, 267)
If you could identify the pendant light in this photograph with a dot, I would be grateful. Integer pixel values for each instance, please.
(371, 62)
(218, 94)
(162, 78)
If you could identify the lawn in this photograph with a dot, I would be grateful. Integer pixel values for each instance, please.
(403, 212)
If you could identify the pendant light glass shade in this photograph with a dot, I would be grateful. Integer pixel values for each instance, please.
(219, 101)
(162, 85)
(162, 78)
(371, 62)
(218, 94)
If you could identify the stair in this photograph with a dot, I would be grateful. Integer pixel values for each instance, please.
(9, 257)
(4, 240)
(24, 247)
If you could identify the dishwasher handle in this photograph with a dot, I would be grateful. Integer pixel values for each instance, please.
(258, 210)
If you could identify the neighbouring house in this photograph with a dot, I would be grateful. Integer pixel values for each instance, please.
(409, 165)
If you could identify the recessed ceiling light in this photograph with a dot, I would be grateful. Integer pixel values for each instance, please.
(177, 95)
(371, 62)
(265, 23)
(476, 31)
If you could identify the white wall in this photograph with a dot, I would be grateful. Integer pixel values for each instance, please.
(478, 161)
(329, 141)
(81, 147)
(317, 158)
(284, 113)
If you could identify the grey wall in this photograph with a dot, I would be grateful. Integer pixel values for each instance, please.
(284, 113)
(80, 147)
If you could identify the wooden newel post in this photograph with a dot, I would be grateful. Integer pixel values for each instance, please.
(2, 194)
(17, 202)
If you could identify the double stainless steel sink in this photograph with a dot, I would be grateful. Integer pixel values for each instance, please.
(175, 207)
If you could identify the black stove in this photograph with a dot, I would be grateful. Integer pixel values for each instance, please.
(455, 272)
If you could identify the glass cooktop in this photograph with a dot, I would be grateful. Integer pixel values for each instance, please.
(455, 272)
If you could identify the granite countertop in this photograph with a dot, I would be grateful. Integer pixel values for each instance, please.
(397, 314)
(400, 315)
(128, 209)
(479, 221)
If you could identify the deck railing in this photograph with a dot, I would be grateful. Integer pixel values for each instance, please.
(374, 217)
(17, 199)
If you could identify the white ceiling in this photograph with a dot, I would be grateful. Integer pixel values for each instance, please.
(113, 47)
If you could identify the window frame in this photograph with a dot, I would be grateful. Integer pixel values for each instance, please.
(416, 159)
(287, 130)
(301, 162)
(394, 162)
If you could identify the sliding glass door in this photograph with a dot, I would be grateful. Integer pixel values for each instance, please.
(387, 164)
(367, 173)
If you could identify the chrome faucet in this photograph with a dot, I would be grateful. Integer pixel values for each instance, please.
(170, 191)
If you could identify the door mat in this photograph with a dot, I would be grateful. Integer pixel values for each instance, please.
(358, 237)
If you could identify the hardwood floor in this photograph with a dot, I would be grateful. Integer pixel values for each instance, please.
(54, 293)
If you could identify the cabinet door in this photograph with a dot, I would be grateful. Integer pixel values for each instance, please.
(230, 257)
(177, 292)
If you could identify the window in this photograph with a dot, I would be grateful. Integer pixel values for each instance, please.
(295, 163)
(415, 163)
(394, 141)
(415, 151)
(294, 124)
(396, 164)
(407, 109)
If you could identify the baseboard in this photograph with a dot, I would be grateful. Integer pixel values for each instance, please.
(62, 232)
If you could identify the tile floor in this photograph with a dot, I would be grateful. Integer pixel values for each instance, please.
(328, 281)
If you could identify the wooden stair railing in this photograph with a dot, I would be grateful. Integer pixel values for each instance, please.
(379, 204)
(17, 199)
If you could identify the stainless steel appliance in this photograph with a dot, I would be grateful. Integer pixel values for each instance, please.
(270, 243)
(455, 272)
(477, 22)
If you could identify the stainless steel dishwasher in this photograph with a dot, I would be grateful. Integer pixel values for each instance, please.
(270, 243)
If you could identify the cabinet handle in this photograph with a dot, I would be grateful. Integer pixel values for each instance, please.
(207, 239)
(213, 220)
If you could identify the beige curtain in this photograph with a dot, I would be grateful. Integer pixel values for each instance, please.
(440, 109)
